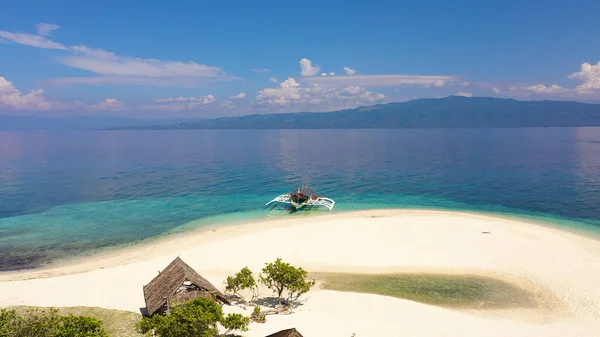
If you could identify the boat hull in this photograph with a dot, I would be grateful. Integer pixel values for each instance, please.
(286, 200)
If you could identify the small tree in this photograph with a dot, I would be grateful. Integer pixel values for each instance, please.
(233, 322)
(280, 276)
(197, 318)
(240, 281)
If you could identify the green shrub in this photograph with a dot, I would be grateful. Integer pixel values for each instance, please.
(41, 323)
(79, 326)
(257, 315)
(233, 322)
(197, 318)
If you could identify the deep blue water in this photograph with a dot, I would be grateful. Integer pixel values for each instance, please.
(72, 193)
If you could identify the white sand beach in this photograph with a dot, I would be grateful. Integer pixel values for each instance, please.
(562, 265)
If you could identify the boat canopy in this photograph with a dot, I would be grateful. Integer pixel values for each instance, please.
(303, 191)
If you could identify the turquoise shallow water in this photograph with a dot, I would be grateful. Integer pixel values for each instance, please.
(75, 193)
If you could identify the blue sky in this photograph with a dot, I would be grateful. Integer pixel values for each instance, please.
(207, 59)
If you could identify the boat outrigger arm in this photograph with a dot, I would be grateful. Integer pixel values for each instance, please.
(301, 197)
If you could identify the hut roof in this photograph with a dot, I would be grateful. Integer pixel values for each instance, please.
(165, 285)
(286, 333)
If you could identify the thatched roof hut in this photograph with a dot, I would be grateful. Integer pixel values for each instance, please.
(286, 333)
(178, 283)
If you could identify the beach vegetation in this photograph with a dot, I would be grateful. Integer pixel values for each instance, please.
(446, 290)
(116, 323)
(79, 326)
(235, 322)
(258, 315)
(242, 280)
(280, 276)
(197, 318)
(48, 323)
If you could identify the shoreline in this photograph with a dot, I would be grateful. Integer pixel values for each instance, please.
(562, 268)
(170, 243)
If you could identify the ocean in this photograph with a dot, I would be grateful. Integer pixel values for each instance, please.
(73, 193)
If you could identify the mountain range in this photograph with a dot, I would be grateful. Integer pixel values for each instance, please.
(447, 112)
(11, 122)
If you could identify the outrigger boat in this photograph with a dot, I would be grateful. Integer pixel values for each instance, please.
(301, 197)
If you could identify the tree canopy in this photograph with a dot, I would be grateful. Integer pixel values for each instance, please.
(240, 281)
(280, 276)
(198, 318)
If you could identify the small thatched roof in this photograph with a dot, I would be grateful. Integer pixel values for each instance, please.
(163, 288)
(286, 333)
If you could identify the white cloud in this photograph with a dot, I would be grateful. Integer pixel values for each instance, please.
(590, 85)
(12, 98)
(307, 68)
(109, 68)
(46, 28)
(382, 80)
(260, 70)
(349, 71)
(228, 105)
(540, 88)
(332, 74)
(290, 83)
(29, 40)
(464, 94)
(126, 81)
(118, 70)
(273, 80)
(35, 100)
(106, 63)
(292, 96)
(208, 99)
(180, 103)
(589, 75)
(496, 90)
(174, 99)
(6, 87)
(241, 95)
(109, 104)
(99, 53)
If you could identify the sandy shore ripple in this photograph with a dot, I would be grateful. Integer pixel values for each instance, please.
(563, 265)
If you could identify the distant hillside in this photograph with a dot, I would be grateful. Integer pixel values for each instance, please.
(448, 112)
(78, 122)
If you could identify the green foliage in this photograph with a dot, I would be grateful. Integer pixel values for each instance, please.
(79, 326)
(41, 323)
(280, 276)
(197, 318)
(7, 321)
(233, 322)
(116, 323)
(257, 315)
(240, 281)
(36, 322)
